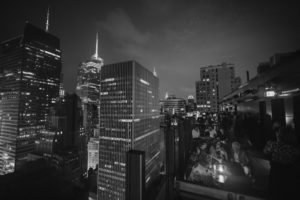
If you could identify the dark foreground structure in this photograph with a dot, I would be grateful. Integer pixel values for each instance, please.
(40, 180)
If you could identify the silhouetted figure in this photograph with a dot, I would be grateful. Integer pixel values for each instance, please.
(284, 161)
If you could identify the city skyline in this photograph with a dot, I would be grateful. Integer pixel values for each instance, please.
(149, 99)
(171, 36)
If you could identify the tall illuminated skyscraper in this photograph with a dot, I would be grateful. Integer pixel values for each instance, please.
(30, 67)
(88, 89)
(129, 119)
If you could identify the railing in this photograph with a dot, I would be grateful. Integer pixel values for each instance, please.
(212, 193)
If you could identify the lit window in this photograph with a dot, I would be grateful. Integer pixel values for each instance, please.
(145, 82)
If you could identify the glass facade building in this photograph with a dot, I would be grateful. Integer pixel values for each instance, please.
(129, 119)
(30, 67)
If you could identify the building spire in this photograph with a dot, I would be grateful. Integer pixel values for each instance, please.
(96, 51)
(47, 20)
(96, 56)
(154, 72)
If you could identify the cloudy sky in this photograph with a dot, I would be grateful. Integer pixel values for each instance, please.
(177, 37)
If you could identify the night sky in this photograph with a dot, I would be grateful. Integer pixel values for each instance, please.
(176, 37)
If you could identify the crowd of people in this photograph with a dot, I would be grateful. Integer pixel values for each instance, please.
(226, 139)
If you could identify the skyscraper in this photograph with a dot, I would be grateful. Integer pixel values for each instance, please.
(62, 128)
(215, 82)
(129, 119)
(88, 89)
(30, 67)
